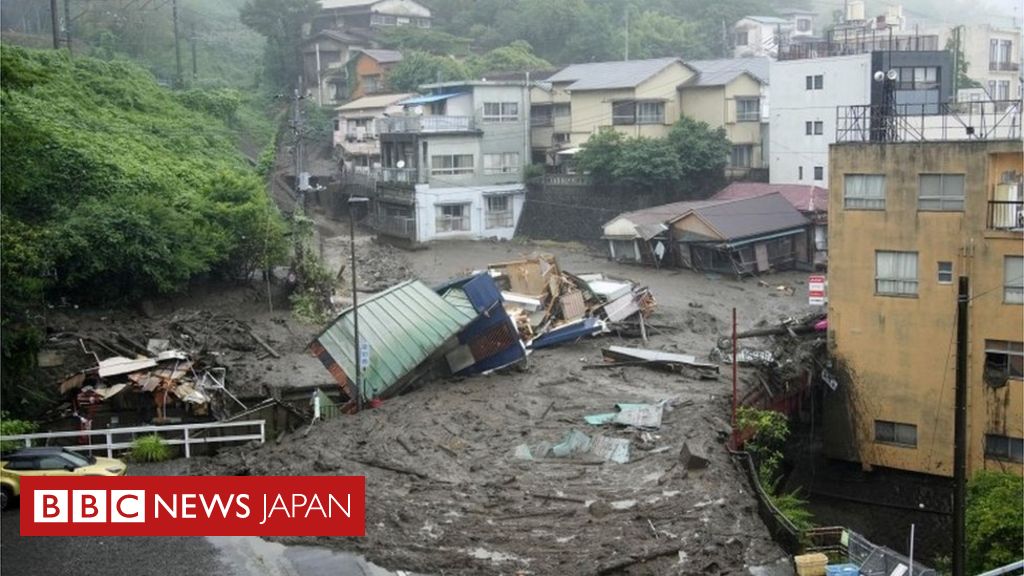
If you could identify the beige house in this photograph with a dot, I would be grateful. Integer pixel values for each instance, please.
(635, 97)
(732, 94)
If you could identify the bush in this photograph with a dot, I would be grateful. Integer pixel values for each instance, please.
(770, 430)
(11, 426)
(995, 520)
(150, 448)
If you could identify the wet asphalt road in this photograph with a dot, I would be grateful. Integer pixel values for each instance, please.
(103, 556)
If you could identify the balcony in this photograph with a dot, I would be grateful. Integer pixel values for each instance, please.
(425, 124)
(1003, 66)
(398, 175)
(541, 120)
(1006, 215)
(400, 226)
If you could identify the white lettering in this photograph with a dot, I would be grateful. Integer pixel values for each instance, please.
(171, 509)
(318, 505)
(243, 502)
(216, 502)
(346, 510)
(296, 504)
(188, 502)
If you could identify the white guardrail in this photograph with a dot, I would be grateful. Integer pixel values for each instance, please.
(186, 439)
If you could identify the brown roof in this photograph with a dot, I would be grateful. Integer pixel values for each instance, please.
(731, 219)
(803, 197)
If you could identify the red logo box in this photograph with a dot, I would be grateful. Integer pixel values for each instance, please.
(193, 506)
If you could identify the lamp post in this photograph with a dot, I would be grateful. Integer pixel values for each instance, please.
(352, 202)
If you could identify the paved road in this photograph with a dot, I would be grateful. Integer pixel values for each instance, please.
(161, 556)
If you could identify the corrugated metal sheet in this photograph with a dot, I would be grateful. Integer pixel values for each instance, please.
(719, 72)
(403, 325)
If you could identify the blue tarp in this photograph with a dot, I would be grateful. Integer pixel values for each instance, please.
(428, 98)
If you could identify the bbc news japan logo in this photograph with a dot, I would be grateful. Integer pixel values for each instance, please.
(88, 506)
(194, 506)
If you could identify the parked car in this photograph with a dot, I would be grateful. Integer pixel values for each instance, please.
(50, 462)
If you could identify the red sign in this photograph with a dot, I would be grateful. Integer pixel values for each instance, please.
(816, 285)
(193, 506)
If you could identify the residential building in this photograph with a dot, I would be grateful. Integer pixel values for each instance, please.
(370, 15)
(907, 218)
(804, 111)
(733, 94)
(855, 34)
(740, 236)
(993, 56)
(809, 200)
(325, 56)
(369, 71)
(452, 163)
(355, 128)
(762, 35)
(635, 97)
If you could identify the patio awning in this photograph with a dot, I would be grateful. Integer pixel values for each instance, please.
(429, 98)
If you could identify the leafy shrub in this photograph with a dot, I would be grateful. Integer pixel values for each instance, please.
(220, 103)
(150, 448)
(11, 426)
(995, 520)
(769, 432)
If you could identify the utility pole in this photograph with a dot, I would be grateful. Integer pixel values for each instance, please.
(177, 46)
(960, 434)
(67, 24)
(192, 40)
(55, 23)
(300, 180)
(627, 34)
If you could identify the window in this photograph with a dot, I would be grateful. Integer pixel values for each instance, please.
(1003, 360)
(815, 128)
(22, 464)
(423, 22)
(404, 21)
(624, 250)
(504, 163)
(748, 109)
(896, 433)
(1004, 448)
(945, 272)
(896, 273)
(941, 193)
(624, 112)
(741, 38)
(382, 20)
(501, 111)
(816, 82)
(452, 164)
(864, 191)
(53, 463)
(917, 78)
(453, 218)
(561, 137)
(741, 156)
(819, 173)
(562, 110)
(499, 211)
(650, 113)
(1013, 280)
(803, 25)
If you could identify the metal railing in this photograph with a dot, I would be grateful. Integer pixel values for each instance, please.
(991, 120)
(1006, 215)
(400, 226)
(112, 436)
(420, 124)
(851, 41)
(566, 180)
(1003, 66)
(401, 175)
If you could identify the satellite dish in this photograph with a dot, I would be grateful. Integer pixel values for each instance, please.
(879, 76)
(891, 75)
(400, 164)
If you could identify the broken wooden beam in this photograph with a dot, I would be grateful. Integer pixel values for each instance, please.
(265, 346)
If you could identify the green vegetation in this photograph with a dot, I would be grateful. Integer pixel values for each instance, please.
(150, 448)
(995, 520)
(421, 68)
(12, 426)
(690, 161)
(280, 23)
(116, 188)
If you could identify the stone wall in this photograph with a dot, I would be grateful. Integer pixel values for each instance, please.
(574, 213)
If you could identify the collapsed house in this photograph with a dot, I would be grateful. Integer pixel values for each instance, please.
(472, 325)
(741, 236)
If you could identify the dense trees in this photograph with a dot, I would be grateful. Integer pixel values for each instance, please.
(114, 188)
(280, 22)
(687, 164)
(995, 520)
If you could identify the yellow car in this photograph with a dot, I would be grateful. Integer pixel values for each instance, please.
(50, 462)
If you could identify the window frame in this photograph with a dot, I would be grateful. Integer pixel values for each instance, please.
(941, 198)
(749, 114)
(619, 118)
(505, 112)
(465, 224)
(915, 281)
(748, 153)
(645, 117)
(819, 173)
(939, 272)
(864, 201)
(453, 169)
(503, 166)
(1014, 451)
(503, 218)
(1017, 285)
(745, 34)
(894, 439)
(996, 371)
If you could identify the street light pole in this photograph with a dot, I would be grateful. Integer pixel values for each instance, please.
(352, 201)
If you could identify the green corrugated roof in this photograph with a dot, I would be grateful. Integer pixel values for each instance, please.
(403, 325)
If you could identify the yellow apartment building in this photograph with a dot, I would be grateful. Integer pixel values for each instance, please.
(906, 219)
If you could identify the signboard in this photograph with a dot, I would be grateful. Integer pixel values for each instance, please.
(364, 355)
(816, 290)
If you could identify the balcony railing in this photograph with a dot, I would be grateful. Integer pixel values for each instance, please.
(421, 124)
(540, 120)
(990, 120)
(1006, 215)
(1003, 66)
(847, 42)
(400, 226)
(401, 175)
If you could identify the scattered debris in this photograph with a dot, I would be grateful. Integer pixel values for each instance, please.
(643, 416)
(621, 355)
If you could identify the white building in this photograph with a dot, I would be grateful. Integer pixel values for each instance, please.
(762, 35)
(452, 163)
(355, 128)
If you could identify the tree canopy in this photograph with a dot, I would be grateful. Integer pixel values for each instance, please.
(995, 520)
(689, 163)
(418, 68)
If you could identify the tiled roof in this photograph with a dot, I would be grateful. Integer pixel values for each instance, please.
(719, 72)
(611, 75)
(803, 197)
(383, 56)
(374, 101)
